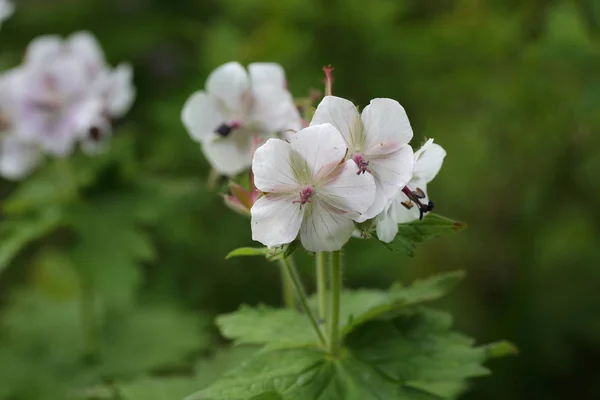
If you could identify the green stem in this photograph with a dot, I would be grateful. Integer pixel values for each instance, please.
(302, 298)
(287, 286)
(321, 260)
(336, 289)
(88, 319)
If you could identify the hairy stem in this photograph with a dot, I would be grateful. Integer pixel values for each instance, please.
(336, 289)
(303, 299)
(88, 318)
(321, 260)
(287, 286)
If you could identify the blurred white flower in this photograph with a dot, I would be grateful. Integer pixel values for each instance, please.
(412, 202)
(69, 94)
(377, 142)
(309, 190)
(237, 106)
(17, 158)
(6, 10)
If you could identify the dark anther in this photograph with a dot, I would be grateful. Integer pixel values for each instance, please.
(419, 193)
(224, 130)
(95, 134)
(415, 197)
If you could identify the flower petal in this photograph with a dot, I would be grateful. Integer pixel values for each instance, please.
(17, 159)
(377, 206)
(348, 191)
(324, 227)
(119, 91)
(274, 110)
(230, 155)
(229, 83)
(387, 227)
(272, 169)
(316, 152)
(276, 219)
(385, 121)
(85, 45)
(42, 48)
(392, 171)
(266, 73)
(342, 114)
(428, 161)
(201, 116)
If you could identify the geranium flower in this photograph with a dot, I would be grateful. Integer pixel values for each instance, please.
(377, 142)
(412, 202)
(70, 94)
(310, 190)
(236, 107)
(17, 158)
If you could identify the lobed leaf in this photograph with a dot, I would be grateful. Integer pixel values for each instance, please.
(288, 328)
(430, 227)
(266, 325)
(415, 356)
(16, 234)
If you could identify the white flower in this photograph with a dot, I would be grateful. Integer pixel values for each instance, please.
(410, 204)
(309, 190)
(377, 141)
(236, 106)
(70, 94)
(6, 10)
(17, 158)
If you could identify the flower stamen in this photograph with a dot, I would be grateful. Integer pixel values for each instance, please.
(305, 195)
(361, 163)
(225, 129)
(415, 197)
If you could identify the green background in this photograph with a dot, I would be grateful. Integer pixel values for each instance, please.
(510, 88)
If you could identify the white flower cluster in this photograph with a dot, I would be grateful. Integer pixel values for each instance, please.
(64, 93)
(344, 168)
(6, 10)
(236, 108)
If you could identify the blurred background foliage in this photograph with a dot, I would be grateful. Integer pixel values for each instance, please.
(511, 88)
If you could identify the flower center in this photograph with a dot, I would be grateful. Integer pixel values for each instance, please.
(361, 163)
(226, 128)
(415, 197)
(305, 195)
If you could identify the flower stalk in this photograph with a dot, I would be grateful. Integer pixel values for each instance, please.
(321, 261)
(303, 299)
(287, 286)
(88, 318)
(336, 290)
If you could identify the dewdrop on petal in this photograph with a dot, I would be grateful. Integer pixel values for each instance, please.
(310, 190)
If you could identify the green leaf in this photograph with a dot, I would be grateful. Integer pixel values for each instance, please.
(276, 253)
(361, 306)
(177, 387)
(430, 227)
(157, 389)
(42, 346)
(265, 325)
(500, 349)
(412, 357)
(247, 252)
(16, 234)
(109, 248)
(289, 328)
(150, 338)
